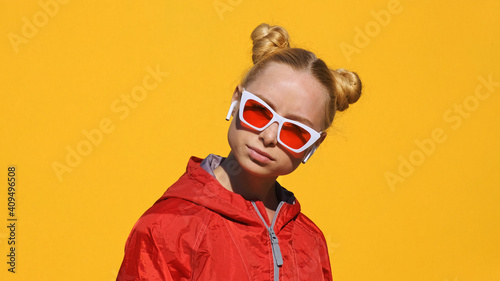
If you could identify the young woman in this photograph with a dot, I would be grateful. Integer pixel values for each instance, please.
(228, 218)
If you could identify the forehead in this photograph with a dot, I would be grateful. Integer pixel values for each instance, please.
(292, 94)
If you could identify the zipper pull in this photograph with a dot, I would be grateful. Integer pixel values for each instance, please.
(276, 247)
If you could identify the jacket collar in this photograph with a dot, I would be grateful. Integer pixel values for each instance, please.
(200, 187)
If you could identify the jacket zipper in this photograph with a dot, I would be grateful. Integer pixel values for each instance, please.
(275, 247)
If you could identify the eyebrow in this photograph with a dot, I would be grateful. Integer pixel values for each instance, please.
(290, 116)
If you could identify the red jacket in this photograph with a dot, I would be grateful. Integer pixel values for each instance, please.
(198, 230)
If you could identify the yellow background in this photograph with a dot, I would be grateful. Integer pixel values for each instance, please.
(439, 221)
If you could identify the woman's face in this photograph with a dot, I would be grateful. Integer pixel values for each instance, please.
(293, 95)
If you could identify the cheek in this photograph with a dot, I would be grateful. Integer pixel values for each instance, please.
(236, 136)
(295, 162)
(289, 161)
(231, 134)
(295, 158)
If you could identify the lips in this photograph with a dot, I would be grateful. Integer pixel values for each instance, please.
(259, 155)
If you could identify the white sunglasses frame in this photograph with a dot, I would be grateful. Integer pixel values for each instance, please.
(246, 95)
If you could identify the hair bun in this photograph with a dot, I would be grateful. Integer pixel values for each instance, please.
(268, 39)
(347, 88)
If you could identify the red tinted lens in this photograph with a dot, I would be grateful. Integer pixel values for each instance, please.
(256, 114)
(294, 136)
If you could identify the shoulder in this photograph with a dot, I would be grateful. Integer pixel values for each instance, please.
(313, 242)
(171, 220)
(307, 225)
(162, 241)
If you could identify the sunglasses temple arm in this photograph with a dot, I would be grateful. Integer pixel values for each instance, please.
(231, 108)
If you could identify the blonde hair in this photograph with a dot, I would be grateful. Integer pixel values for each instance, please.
(272, 44)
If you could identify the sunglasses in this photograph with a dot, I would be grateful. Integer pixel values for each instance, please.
(258, 115)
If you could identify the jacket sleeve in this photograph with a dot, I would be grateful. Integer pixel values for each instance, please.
(143, 259)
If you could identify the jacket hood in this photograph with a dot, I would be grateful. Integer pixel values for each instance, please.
(198, 186)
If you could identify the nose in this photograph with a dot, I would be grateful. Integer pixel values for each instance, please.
(269, 136)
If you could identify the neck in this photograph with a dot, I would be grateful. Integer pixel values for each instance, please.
(251, 187)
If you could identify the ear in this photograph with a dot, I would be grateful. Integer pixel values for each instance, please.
(237, 93)
(234, 101)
